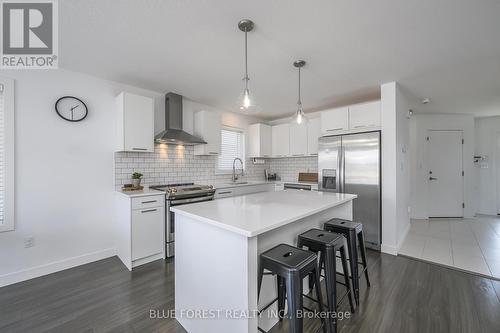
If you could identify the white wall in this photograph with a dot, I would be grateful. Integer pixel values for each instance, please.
(421, 123)
(64, 174)
(487, 135)
(395, 167)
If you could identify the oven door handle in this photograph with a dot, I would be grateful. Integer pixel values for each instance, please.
(190, 200)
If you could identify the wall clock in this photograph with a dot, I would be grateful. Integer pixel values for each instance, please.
(71, 108)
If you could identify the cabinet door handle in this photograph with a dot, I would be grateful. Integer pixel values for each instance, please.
(334, 129)
(213, 153)
(227, 192)
(360, 126)
(142, 149)
(150, 201)
(298, 155)
(149, 210)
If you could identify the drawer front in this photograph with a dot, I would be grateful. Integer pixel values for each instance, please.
(148, 202)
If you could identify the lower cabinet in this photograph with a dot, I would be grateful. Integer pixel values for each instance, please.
(242, 190)
(147, 232)
(140, 229)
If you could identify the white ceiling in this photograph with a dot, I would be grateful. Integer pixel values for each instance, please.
(447, 50)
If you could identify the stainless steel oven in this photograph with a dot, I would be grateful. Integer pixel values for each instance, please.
(180, 194)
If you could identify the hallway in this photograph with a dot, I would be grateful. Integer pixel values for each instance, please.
(471, 245)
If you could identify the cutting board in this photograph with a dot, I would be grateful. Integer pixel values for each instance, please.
(310, 177)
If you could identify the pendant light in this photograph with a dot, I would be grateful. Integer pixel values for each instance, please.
(245, 102)
(299, 116)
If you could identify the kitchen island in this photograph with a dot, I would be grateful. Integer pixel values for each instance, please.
(217, 249)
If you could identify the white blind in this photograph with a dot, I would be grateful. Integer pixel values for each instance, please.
(2, 154)
(232, 146)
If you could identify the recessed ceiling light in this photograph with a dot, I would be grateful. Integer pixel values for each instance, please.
(426, 100)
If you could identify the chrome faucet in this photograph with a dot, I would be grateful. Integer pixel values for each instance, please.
(235, 177)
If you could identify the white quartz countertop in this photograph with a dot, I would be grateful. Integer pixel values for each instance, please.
(259, 182)
(242, 183)
(253, 214)
(142, 193)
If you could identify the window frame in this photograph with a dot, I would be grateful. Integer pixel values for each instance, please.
(9, 124)
(243, 133)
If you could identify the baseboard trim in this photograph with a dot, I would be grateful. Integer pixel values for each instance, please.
(37, 271)
(405, 233)
(389, 249)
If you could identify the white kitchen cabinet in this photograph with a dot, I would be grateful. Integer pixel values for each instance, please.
(147, 232)
(298, 139)
(313, 134)
(334, 120)
(259, 140)
(366, 115)
(135, 123)
(280, 140)
(140, 228)
(232, 191)
(207, 125)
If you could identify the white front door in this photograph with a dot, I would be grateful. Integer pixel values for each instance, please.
(445, 178)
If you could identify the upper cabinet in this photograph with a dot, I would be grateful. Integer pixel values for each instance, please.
(334, 120)
(280, 140)
(357, 117)
(135, 123)
(313, 134)
(365, 115)
(259, 140)
(283, 140)
(207, 125)
(298, 140)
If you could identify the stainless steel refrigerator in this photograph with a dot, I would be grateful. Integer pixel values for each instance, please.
(352, 164)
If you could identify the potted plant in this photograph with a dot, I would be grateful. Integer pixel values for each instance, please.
(136, 179)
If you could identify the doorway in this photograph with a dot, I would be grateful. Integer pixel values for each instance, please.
(446, 177)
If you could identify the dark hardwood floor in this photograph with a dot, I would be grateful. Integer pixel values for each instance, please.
(406, 296)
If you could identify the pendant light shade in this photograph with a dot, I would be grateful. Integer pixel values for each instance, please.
(299, 117)
(246, 101)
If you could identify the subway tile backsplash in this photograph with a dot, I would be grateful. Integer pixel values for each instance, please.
(177, 164)
(288, 168)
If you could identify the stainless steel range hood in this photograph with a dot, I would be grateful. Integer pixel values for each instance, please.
(173, 133)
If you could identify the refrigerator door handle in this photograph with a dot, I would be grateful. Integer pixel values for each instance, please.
(341, 169)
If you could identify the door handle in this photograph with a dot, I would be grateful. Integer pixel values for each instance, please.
(432, 178)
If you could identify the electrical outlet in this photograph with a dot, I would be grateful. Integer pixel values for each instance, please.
(29, 242)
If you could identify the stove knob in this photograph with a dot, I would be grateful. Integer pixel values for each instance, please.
(210, 186)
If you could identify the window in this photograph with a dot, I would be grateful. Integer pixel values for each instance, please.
(6, 154)
(232, 146)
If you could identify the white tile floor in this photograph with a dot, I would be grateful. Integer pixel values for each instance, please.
(467, 244)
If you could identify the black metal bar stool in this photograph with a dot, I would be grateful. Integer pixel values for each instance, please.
(327, 244)
(351, 231)
(291, 265)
